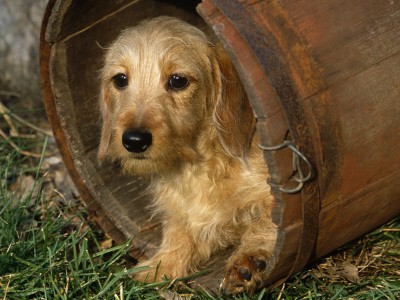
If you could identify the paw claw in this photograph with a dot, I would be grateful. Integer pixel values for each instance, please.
(260, 264)
(245, 273)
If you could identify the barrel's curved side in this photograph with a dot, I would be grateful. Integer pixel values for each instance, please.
(344, 62)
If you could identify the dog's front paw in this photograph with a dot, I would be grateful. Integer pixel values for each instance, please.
(151, 271)
(159, 268)
(147, 272)
(245, 271)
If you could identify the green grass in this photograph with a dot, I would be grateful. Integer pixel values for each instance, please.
(43, 255)
(52, 252)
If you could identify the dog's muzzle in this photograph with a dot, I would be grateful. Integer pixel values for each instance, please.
(136, 140)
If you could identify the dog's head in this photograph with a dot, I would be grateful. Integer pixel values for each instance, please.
(163, 87)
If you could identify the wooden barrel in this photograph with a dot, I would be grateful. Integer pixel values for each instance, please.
(323, 75)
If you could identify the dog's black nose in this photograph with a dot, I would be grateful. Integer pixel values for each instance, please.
(136, 140)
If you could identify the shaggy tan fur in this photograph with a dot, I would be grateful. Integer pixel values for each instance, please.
(208, 176)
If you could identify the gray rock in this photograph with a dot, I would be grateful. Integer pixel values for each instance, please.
(20, 22)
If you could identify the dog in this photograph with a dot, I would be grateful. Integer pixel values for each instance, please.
(174, 109)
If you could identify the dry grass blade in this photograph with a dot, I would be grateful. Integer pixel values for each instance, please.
(6, 112)
(15, 146)
(6, 290)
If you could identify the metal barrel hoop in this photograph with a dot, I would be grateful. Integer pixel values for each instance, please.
(297, 155)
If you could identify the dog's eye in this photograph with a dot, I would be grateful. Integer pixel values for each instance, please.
(177, 82)
(120, 81)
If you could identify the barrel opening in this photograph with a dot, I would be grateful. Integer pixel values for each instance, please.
(77, 50)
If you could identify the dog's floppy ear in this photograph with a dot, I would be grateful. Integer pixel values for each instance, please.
(106, 126)
(233, 115)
